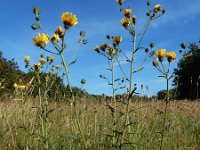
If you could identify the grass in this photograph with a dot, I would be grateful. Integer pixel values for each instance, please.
(19, 125)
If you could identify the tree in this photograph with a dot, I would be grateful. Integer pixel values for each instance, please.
(188, 74)
(9, 74)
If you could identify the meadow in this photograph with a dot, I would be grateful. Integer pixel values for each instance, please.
(19, 125)
(38, 111)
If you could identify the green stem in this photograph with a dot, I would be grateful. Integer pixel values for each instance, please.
(165, 112)
(114, 100)
(130, 92)
(68, 78)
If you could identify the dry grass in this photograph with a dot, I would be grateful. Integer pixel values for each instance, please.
(182, 125)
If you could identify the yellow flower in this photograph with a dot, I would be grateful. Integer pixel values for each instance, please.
(15, 85)
(157, 8)
(60, 32)
(55, 38)
(22, 87)
(117, 39)
(69, 19)
(112, 52)
(51, 58)
(127, 12)
(120, 1)
(42, 60)
(170, 56)
(160, 53)
(27, 59)
(125, 22)
(41, 40)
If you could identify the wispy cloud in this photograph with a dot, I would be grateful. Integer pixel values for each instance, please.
(181, 12)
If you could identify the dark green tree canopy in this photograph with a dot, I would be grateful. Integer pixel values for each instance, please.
(188, 74)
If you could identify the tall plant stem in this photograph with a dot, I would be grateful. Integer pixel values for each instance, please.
(73, 101)
(126, 122)
(68, 78)
(114, 100)
(167, 100)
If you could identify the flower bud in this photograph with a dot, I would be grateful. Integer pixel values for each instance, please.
(120, 2)
(152, 45)
(84, 41)
(155, 62)
(36, 10)
(134, 19)
(83, 81)
(34, 26)
(82, 33)
(148, 3)
(183, 45)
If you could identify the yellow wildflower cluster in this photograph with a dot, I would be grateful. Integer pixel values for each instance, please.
(41, 40)
(169, 55)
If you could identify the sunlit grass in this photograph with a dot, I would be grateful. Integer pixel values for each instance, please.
(182, 125)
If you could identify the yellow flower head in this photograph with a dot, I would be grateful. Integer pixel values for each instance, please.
(51, 58)
(125, 22)
(59, 31)
(42, 60)
(58, 67)
(157, 8)
(120, 1)
(15, 85)
(127, 12)
(170, 56)
(160, 53)
(117, 39)
(55, 38)
(41, 40)
(69, 19)
(112, 52)
(27, 59)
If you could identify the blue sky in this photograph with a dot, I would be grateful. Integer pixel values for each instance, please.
(97, 18)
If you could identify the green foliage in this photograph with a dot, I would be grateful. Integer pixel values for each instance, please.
(188, 74)
(9, 73)
(161, 95)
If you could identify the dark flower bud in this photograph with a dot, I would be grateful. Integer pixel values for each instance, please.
(82, 33)
(83, 81)
(148, 3)
(34, 27)
(84, 41)
(146, 50)
(163, 11)
(183, 45)
(108, 36)
(152, 45)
